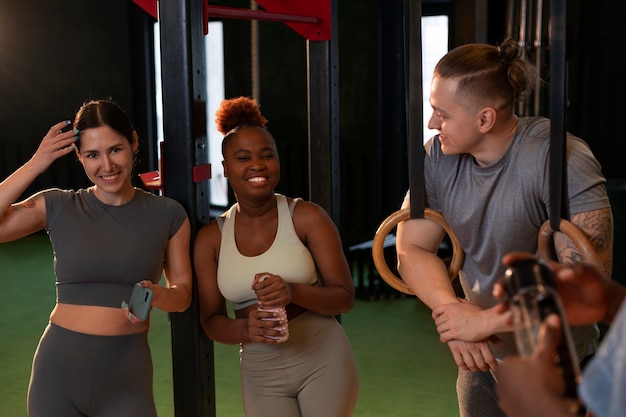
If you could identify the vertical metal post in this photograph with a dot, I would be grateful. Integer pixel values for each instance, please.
(255, 65)
(184, 126)
(392, 143)
(559, 206)
(323, 109)
(414, 104)
(538, 54)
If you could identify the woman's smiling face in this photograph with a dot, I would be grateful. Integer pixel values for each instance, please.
(107, 158)
(251, 162)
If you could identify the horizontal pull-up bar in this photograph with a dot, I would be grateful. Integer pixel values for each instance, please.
(310, 19)
(248, 14)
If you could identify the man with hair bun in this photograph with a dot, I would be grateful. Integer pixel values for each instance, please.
(270, 251)
(487, 173)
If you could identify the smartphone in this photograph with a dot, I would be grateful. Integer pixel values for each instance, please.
(140, 302)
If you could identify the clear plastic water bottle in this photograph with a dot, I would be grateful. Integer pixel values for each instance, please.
(283, 328)
(529, 284)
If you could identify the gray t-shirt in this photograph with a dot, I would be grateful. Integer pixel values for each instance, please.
(101, 251)
(499, 209)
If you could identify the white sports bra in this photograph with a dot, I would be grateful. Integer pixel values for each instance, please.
(286, 257)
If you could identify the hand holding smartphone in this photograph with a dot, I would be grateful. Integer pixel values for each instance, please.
(140, 302)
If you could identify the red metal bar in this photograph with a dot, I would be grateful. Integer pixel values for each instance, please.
(310, 19)
(320, 8)
(248, 14)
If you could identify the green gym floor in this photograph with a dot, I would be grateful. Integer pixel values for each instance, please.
(404, 370)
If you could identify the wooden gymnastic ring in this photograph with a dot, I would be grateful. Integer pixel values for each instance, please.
(387, 226)
(575, 234)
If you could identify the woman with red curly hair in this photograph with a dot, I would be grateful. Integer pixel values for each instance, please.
(273, 251)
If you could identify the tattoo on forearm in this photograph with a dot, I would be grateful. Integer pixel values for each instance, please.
(597, 225)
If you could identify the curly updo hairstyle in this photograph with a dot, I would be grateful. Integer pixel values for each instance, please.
(237, 113)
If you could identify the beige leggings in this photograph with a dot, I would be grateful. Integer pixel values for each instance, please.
(312, 374)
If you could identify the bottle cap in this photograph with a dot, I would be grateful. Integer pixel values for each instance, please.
(527, 273)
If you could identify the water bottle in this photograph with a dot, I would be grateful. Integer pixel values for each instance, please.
(529, 284)
(283, 328)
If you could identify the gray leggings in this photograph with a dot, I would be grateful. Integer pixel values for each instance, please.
(312, 374)
(80, 375)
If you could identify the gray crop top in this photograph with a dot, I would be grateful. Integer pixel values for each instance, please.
(287, 257)
(101, 251)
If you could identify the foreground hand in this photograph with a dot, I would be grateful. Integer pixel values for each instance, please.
(271, 290)
(130, 316)
(533, 386)
(261, 326)
(126, 308)
(585, 293)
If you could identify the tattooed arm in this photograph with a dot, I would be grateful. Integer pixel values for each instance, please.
(21, 219)
(597, 225)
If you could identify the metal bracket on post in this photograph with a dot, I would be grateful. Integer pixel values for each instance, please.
(201, 172)
(154, 180)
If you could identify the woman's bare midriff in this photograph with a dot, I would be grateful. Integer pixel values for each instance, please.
(95, 320)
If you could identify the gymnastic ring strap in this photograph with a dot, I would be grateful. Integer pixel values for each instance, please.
(387, 226)
(575, 234)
